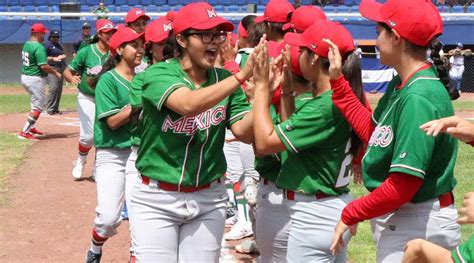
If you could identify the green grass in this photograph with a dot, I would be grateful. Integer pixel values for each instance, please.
(14, 103)
(12, 153)
(460, 105)
(362, 248)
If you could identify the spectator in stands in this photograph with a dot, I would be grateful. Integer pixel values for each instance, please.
(57, 60)
(358, 50)
(456, 61)
(101, 11)
(84, 40)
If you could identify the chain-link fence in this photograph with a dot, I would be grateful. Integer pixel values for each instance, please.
(467, 81)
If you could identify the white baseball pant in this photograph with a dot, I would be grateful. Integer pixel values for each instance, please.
(86, 110)
(240, 160)
(110, 181)
(35, 86)
(273, 223)
(424, 220)
(170, 226)
(312, 228)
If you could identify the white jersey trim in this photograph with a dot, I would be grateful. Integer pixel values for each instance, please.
(108, 113)
(118, 80)
(407, 167)
(165, 94)
(459, 255)
(287, 139)
(422, 78)
(238, 115)
(200, 158)
(184, 163)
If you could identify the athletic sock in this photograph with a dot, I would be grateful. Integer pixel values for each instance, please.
(242, 207)
(31, 121)
(97, 242)
(84, 150)
(230, 193)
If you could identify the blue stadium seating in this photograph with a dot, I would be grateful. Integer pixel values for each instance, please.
(165, 8)
(52, 2)
(263, 2)
(160, 2)
(306, 2)
(357, 2)
(254, 2)
(120, 2)
(13, 2)
(176, 7)
(233, 9)
(133, 3)
(92, 2)
(86, 9)
(29, 8)
(260, 8)
(147, 2)
(124, 8)
(213, 2)
(108, 2)
(458, 9)
(329, 9)
(219, 8)
(185, 2)
(3, 8)
(3, 3)
(26, 2)
(16, 9)
(343, 9)
(470, 9)
(226, 2)
(39, 2)
(42, 9)
(239, 2)
(151, 8)
(173, 2)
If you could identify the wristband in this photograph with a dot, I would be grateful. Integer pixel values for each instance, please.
(242, 82)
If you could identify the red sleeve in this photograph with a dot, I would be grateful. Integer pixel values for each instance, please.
(232, 66)
(358, 116)
(397, 190)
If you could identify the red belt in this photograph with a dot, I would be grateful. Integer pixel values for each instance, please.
(290, 195)
(176, 188)
(446, 200)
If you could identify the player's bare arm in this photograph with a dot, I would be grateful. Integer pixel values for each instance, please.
(118, 120)
(419, 250)
(71, 76)
(455, 126)
(48, 69)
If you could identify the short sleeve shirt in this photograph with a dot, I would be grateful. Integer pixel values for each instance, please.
(136, 90)
(112, 95)
(33, 56)
(317, 138)
(184, 150)
(399, 145)
(88, 62)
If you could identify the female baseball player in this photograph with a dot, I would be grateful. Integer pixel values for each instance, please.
(112, 135)
(177, 209)
(33, 78)
(137, 20)
(315, 145)
(409, 174)
(85, 65)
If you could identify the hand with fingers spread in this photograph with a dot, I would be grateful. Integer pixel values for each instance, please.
(454, 126)
(287, 76)
(228, 52)
(335, 60)
(247, 71)
(338, 240)
(261, 73)
(357, 172)
(75, 79)
(467, 210)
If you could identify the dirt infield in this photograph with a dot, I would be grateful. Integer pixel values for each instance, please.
(49, 217)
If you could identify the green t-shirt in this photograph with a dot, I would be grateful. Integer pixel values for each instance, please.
(317, 138)
(464, 253)
(399, 145)
(112, 94)
(85, 42)
(88, 62)
(33, 56)
(136, 102)
(184, 150)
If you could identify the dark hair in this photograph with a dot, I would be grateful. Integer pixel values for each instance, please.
(255, 33)
(168, 49)
(93, 40)
(109, 64)
(248, 21)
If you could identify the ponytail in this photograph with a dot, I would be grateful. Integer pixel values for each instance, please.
(109, 64)
(441, 67)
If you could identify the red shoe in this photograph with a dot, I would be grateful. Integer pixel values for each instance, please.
(26, 136)
(35, 131)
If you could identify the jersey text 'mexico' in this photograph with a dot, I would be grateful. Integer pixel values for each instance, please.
(184, 150)
(399, 145)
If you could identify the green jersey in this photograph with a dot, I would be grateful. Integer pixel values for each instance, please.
(182, 150)
(112, 94)
(317, 138)
(33, 56)
(88, 62)
(465, 252)
(242, 56)
(399, 145)
(136, 91)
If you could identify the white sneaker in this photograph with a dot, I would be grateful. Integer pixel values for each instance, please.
(239, 231)
(230, 222)
(78, 167)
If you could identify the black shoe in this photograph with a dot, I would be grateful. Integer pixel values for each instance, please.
(57, 112)
(92, 257)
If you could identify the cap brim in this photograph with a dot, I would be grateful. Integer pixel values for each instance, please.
(371, 10)
(294, 39)
(216, 22)
(286, 26)
(158, 38)
(138, 17)
(106, 30)
(259, 19)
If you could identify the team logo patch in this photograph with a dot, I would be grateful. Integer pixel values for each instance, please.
(138, 12)
(392, 227)
(313, 46)
(189, 125)
(382, 136)
(392, 23)
(167, 27)
(403, 155)
(211, 13)
(288, 127)
(94, 70)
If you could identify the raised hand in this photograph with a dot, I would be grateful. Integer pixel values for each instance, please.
(261, 72)
(228, 52)
(335, 60)
(248, 69)
(454, 126)
(467, 210)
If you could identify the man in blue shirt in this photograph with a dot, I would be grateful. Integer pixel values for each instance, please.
(84, 40)
(57, 60)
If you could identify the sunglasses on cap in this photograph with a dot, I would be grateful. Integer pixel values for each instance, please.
(208, 37)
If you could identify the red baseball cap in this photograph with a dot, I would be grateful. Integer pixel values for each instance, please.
(158, 30)
(135, 14)
(312, 38)
(200, 16)
(294, 60)
(242, 31)
(303, 17)
(104, 25)
(417, 21)
(123, 35)
(276, 11)
(38, 28)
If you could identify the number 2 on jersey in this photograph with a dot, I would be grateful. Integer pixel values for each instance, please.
(25, 56)
(345, 171)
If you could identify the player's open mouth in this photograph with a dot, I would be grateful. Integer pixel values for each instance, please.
(211, 53)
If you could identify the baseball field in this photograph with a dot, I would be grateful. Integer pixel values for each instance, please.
(46, 216)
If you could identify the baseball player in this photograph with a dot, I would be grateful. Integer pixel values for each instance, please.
(112, 134)
(409, 174)
(314, 143)
(33, 78)
(85, 65)
(178, 206)
(137, 20)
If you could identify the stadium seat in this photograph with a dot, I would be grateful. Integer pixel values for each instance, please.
(213, 2)
(108, 2)
(92, 2)
(16, 9)
(239, 2)
(470, 9)
(124, 8)
(159, 2)
(52, 2)
(260, 8)
(176, 7)
(185, 2)
(233, 9)
(263, 2)
(13, 2)
(147, 2)
(165, 8)
(226, 2)
(457, 9)
(133, 3)
(39, 2)
(120, 2)
(343, 9)
(219, 8)
(42, 9)
(3, 8)
(329, 9)
(85, 9)
(151, 8)
(306, 2)
(29, 8)
(26, 2)
(3, 3)
(173, 2)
